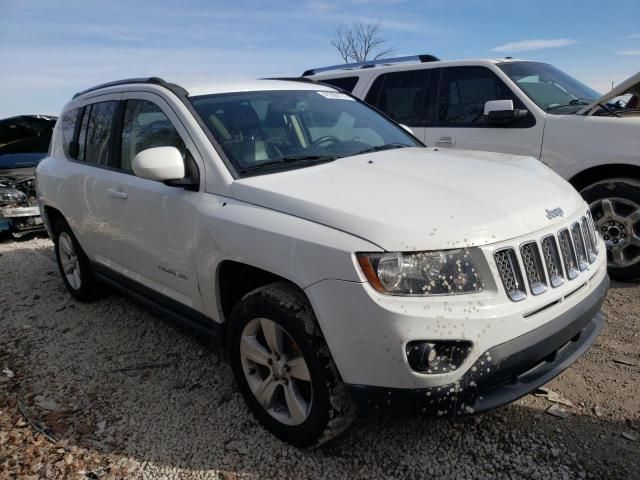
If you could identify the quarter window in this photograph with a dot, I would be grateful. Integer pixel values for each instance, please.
(401, 95)
(146, 126)
(68, 127)
(463, 93)
(95, 133)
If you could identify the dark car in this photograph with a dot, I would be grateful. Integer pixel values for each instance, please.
(24, 141)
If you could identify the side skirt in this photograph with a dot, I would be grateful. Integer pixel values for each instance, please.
(162, 305)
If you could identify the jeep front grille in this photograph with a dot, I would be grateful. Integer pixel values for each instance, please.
(548, 262)
(507, 263)
(533, 268)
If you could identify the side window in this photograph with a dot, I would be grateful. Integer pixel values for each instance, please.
(67, 129)
(463, 92)
(345, 83)
(401, 95)
(95, 133)
(146, 126)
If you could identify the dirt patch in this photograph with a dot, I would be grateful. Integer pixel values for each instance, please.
(108, 390)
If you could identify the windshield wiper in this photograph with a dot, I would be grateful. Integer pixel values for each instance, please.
(288, 159)
(572, 103)
(380, 148)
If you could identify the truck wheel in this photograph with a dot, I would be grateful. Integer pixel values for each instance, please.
(615, 206)
(74, 265)
(283, 367)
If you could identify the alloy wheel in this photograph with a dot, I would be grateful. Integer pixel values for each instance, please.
(69, 260)
(618, 221)
(276, 371)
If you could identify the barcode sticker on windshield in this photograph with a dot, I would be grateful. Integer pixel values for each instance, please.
(335, 96)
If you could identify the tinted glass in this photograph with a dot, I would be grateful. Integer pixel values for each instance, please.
(82, 136)
(401, 95)
(293, 127)
(145, 126)
(550, 88)
(345, 83)
(98, 136)
(68, 127)
(463, 93)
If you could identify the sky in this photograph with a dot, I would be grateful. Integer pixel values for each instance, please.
(50, 49)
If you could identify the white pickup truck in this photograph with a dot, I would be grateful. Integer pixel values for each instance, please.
(338, 260)
(523, 108)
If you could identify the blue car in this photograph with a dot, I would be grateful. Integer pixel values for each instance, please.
(24, 141)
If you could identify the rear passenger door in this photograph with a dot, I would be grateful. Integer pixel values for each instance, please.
(403, 96)
(459, 119)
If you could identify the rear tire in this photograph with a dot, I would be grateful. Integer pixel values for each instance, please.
(615, 206)
(74, 265)
(293, 389)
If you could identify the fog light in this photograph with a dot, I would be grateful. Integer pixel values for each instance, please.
(437, 356)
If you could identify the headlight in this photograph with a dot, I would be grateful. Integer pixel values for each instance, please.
(11, 196)
(446, 272)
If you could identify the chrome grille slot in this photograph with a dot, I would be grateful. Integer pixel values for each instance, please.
(533, 268)
(588, 240)
(552, 260)
(510, 274)
(593, 233)
(578, 242)
(568, 254)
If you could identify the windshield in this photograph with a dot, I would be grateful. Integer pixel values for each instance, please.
(551, 89)
(270, 130)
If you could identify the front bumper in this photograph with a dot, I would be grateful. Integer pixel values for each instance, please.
(504, 372)
(21, 220)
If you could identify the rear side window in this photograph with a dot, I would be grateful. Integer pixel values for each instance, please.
(402, 96)
(146, 126)
(96, 133)
(345, 83)
(463, 92)
(67, 128)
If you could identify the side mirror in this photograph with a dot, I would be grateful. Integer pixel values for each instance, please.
(502, 112)
(159, 163)
(407, 129)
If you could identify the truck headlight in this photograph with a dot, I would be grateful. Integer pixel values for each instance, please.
(11, 196)
(444, 272)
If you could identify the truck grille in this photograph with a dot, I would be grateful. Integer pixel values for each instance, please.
(548, 262)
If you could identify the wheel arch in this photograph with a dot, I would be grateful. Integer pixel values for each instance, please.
(235, 279)
(51, 216)
(602, 172)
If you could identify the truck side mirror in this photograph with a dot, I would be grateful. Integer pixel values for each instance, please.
(502, 112)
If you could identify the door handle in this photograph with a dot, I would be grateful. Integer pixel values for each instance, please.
(446, 142)
(117, 193)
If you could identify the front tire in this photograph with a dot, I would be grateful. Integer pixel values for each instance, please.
(74, 265)
(615, 207)
(283, 367)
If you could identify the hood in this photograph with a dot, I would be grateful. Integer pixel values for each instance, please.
(631, 83)
(420, 198)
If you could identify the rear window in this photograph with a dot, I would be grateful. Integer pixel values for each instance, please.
(401, 95)
(344, 83)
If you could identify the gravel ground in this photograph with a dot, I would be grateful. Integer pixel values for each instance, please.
(108, 390)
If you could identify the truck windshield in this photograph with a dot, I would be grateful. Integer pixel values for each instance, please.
(263, 131)
(551, 89)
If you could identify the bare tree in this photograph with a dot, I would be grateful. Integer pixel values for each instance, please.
(360, 41)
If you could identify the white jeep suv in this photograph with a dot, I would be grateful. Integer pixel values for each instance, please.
(523, 108)
(338, 260)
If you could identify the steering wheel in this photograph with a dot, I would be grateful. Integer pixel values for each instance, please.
(329, 139)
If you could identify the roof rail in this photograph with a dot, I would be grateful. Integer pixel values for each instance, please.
(372, 63)
(151, 80)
